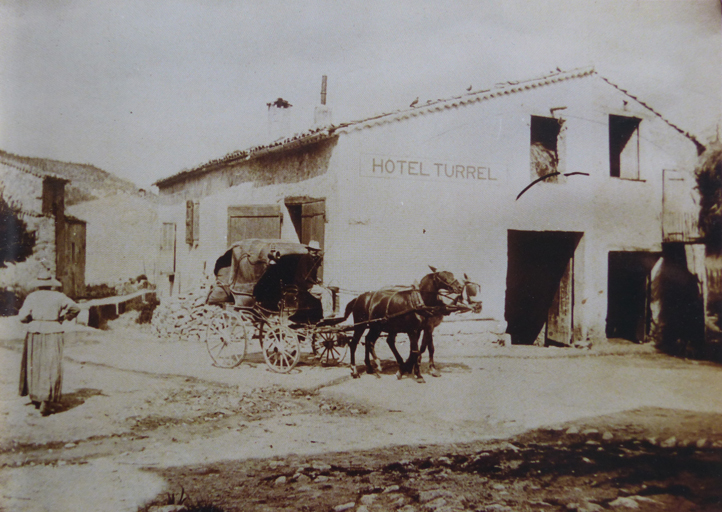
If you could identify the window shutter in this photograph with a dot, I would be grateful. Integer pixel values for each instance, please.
(192, 222)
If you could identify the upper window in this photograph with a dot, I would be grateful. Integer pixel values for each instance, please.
(624, 147)
(545, 147)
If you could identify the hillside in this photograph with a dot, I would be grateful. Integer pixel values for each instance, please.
(87, 182)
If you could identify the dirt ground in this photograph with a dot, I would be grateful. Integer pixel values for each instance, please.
(145, 422)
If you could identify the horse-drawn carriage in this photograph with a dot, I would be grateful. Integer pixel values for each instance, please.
(268, 290)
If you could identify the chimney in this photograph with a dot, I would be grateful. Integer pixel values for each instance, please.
(279, 119)
(322, 113)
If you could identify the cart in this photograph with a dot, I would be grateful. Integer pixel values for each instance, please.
(267, 289)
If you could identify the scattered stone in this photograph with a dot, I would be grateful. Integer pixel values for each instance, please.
(572, 430)
(345, 506)
(607, 436)
(588, 461)
(321, 478)
(444, 460)
(320, 466)
(701, 442)
(71, 445)
(407, 508)
(588, 431)
(362, 508)
(499, 487)
(652, 440)
(435, 504)
(669, 443)
(717, 444)
(280, 480)
(585, 507)
(425, 496)
(367, 499)
(302, 479)
(391, 488)
(167, 508)
(624, 502)
(497, 507)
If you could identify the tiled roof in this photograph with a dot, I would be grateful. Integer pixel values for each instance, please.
(318, 134)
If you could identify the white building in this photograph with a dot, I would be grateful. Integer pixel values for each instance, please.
(451, 183)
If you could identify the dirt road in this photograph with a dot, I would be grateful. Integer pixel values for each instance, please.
(142, 417)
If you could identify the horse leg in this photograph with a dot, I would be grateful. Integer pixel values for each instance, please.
(415, 356)
(391, 342)
(371, 338)
(357, 333)
(428, 341)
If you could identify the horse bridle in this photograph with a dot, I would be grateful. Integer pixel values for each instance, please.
(445, 285)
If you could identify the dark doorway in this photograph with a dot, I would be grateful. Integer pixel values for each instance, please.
(309, 219)
(628, 290)
(540, 286)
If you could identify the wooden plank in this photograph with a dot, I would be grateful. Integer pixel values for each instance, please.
(559, 321)
(253, 221)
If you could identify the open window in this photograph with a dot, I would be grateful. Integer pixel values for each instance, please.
(545, 147)
(624, 147)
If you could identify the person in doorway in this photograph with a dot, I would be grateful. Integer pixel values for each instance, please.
(41, 371)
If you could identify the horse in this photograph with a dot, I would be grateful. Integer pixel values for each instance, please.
(469, 291)
(394, 310)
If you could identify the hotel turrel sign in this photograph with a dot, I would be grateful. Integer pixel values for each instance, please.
(423, 168)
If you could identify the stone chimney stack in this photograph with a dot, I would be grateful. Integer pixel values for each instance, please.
(279, 119)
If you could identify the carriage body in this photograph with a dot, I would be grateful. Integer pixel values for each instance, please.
(268, 289)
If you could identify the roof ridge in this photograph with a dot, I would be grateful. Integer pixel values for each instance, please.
(502, 88)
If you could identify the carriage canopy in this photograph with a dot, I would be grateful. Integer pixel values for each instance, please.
(260, 269)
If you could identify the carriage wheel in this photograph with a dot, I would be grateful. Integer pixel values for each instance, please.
(227, 338)
(281, 348)
(329, 347)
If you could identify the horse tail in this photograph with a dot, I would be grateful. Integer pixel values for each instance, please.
(349, 308)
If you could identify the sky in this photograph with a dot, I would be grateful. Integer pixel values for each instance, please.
(146, 89)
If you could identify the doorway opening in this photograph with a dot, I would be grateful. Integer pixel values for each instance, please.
(628, 294)
(539, 307)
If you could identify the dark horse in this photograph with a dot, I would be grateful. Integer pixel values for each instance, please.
(395, 310)
(470, 290)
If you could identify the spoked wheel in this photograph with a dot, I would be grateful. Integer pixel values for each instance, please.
(281, 348)
(227, 337)
(329, 347)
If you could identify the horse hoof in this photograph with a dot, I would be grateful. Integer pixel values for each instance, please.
(399, 375)
(435, 373)
(420, 380)
(377, 375)
(355, 375)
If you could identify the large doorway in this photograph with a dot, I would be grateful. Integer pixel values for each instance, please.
(628, 291)
(539, 303)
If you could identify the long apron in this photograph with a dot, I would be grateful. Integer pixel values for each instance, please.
(41, 371)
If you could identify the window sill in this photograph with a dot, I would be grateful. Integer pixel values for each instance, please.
(638, 180)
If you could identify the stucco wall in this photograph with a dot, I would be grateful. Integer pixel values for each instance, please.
(122, 238)
(299, 173)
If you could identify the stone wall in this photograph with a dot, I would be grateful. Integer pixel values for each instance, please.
(23, 189)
